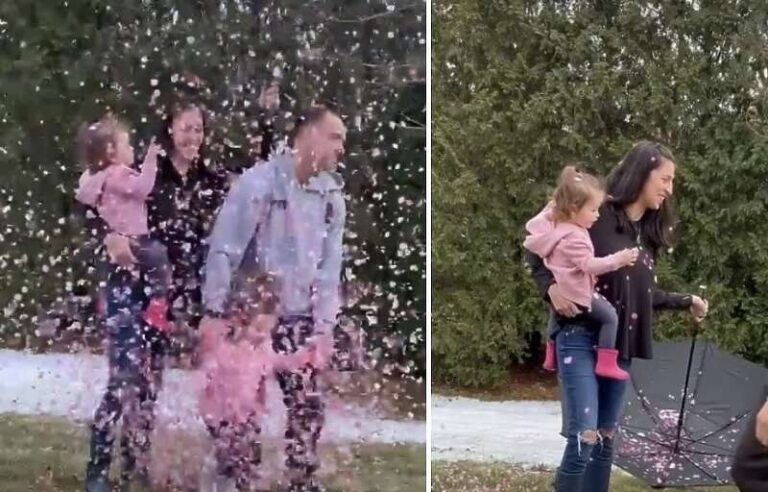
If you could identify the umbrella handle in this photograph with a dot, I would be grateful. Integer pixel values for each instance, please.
(695, 328)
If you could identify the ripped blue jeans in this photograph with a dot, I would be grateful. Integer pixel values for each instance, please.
(589, 403)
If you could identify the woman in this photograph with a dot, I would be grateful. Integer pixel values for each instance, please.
(187, 193)
(637, 213)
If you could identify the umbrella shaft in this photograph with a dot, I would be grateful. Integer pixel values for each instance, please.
(685, 393)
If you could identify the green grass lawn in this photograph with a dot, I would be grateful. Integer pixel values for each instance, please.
(47, 454)
(496, 477)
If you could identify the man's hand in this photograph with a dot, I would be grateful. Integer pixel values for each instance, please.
(761, 428)
(269, 98)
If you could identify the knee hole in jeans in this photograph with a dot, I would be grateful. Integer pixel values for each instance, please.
(589, 437)
(606, 434)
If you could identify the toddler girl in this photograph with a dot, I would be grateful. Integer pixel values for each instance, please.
(559, 235)
(119, 194)
(235, 371)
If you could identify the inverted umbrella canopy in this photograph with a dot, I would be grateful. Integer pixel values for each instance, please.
(685, 410)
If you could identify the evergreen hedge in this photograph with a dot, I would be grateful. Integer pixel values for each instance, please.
(65, 62)
(522, 87)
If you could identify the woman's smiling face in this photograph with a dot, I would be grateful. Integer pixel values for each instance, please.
(187, 133)
(659, 185)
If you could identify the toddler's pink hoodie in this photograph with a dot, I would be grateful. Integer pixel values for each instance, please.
(119, 194)
(568, 253)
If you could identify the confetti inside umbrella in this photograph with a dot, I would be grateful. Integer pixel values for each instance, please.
(685, 410)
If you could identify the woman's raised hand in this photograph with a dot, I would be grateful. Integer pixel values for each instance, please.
(153, 150)
(269, 98)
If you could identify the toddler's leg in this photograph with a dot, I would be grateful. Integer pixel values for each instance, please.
(607, 355)
(153, 258)
(550, 360)
(604, 313)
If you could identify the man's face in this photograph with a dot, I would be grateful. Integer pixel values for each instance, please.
(326, 140)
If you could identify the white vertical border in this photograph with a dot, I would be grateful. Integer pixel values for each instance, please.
(428, 382)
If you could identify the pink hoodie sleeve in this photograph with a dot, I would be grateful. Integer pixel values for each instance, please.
(126, 181)
(291, 362)
(579, 249)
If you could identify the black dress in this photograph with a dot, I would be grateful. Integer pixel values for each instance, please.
(631, 290)
(181, 211)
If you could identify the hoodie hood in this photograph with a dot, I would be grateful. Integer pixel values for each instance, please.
(90, 187)
(544, 235)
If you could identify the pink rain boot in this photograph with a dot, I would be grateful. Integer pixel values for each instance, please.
(606, 365)
(156, 314)
(550, 359)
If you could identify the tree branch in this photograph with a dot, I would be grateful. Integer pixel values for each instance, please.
(416, 123)
(389, 65)
(374, 16)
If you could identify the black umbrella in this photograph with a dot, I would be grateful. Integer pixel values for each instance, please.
(684, 413)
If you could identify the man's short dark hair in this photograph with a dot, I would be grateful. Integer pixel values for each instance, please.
(308, 117)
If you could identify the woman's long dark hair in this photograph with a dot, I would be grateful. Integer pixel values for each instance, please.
(626, 182)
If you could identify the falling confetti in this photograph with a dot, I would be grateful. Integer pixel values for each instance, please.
(135, 63)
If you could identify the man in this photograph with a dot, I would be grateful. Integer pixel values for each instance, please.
(750, 465)
(286, 218)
